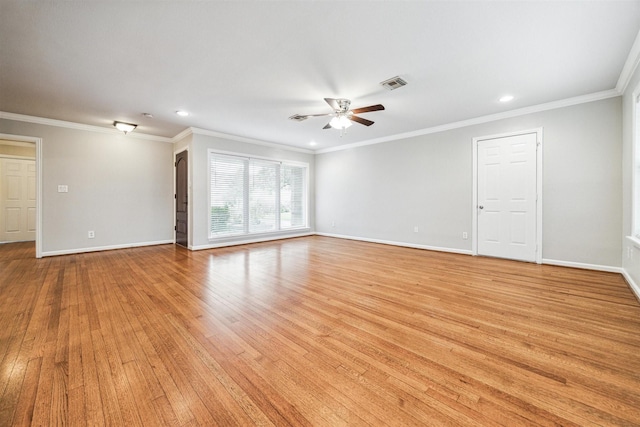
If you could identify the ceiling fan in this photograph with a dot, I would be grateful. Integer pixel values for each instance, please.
(342, 115)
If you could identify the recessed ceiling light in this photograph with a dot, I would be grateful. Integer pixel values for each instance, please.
(312, 143)
(506, 98)
(182, 113)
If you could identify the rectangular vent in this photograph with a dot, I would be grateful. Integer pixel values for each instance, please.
(393, 83)
(298, 117)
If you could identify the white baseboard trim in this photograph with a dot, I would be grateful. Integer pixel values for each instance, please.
(105, 248)
(247, 241)
(584, 266)
(394, 243)
(632, 284)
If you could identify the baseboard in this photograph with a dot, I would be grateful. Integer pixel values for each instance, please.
(247, 241)
(632, 284)
(571, 264)
(584, 266)
(635, 288)
(105, 248)
(394, 243)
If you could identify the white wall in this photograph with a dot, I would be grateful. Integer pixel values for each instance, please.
(122, 187)
(119, 186)
(382, 191)
(198, 170)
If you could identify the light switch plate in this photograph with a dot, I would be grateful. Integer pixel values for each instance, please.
(63, 188)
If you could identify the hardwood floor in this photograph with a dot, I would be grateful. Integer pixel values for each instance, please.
(312, 331)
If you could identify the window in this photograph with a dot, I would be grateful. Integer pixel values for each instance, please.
(254, 196)
(636, 164)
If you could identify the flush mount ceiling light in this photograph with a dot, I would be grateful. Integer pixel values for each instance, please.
(506, 98)
(125, 127)
(182, 113)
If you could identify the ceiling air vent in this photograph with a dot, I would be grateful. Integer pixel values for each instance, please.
(393, 83)
(298, 117)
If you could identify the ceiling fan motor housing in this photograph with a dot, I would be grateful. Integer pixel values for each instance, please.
(343, 104)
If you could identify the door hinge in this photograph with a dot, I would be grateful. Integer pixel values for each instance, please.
(175, 228)
(175, 196)
(175, 164)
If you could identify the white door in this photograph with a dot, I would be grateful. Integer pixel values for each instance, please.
(507, 197)
(17, 200)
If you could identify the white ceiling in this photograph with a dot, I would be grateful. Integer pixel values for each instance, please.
(243, 67)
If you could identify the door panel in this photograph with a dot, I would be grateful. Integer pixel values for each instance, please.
(12, 220)
(31, 220)
(17, 200)
(507, 197)
(182, 205)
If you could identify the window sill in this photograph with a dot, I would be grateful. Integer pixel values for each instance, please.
(635, 241)
(260, 236)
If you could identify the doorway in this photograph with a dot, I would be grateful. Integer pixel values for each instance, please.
(182, 199)
(507, 196)
(20, 190)
(17, 199)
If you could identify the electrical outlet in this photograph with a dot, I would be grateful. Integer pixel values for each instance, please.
(333, 223)
(91, 234)
(63, 188)
(465, 235)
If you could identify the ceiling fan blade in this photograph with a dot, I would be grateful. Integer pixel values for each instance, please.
(333, 103)
(318, 115)
(367, 109)
(361, 120)
(327, 126)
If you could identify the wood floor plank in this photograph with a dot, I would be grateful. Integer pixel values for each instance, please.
(312, 331)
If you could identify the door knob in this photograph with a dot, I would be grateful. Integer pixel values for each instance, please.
(480, 207)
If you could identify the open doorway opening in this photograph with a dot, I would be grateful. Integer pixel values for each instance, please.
(20, 192)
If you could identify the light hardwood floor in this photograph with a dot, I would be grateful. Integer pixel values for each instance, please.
(312, 331)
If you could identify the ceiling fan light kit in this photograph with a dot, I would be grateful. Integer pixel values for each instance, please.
(340, 122)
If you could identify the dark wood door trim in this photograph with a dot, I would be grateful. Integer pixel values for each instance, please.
(182, 199)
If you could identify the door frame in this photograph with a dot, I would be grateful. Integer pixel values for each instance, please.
(175, 153)
(474, 205)
(38, 143)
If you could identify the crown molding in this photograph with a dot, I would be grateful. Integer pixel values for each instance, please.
(630, 66)
(483, 119)
(198, 131)
(79, 126)
(185, 133)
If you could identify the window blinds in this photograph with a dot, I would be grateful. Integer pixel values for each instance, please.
(251, 196)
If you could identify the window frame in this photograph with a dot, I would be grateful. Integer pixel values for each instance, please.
(211, 153)
(635, 165)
